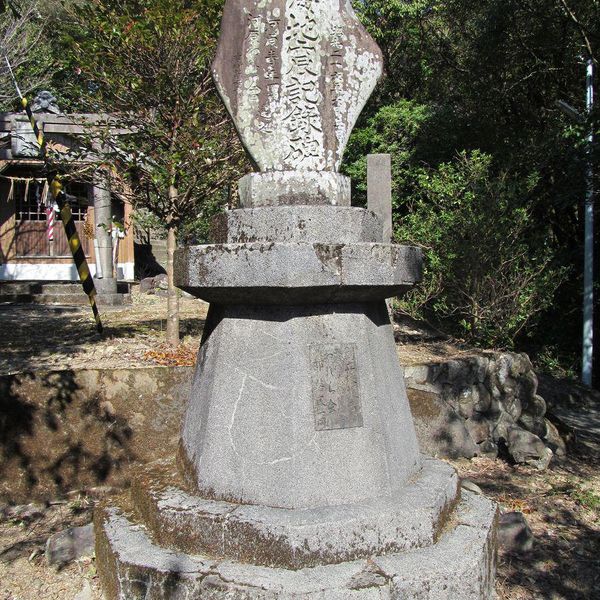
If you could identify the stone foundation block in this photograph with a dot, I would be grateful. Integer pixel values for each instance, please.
(460, 566)
(295, 538)
(287, 188)
(289, 273)
(302, 224)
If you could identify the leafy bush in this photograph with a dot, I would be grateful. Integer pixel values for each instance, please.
(488, 270)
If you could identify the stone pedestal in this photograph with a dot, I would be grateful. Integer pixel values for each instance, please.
(299, 474)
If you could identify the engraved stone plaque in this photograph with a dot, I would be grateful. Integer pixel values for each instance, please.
(336, 400)
(294, 75)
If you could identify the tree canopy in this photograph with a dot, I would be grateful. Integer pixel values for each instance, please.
(488, 173)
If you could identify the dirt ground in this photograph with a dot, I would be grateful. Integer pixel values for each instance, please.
(38, 337)
(562, 505)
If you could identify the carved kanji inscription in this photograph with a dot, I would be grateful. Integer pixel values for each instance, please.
(334, 378)
(294, 75)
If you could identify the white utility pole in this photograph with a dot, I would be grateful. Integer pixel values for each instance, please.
(588, 265)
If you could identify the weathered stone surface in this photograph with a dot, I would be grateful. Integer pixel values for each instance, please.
(471, 486)
(298, 447)
(491, 394)
(289, 188)
(514, 533)
(460, 566)
(147, 285)
(468, 567)
(440, 430)
(525, 447)
(553, 440)
(478, 428)
(70, 544)
(300, 224)
(294, 76)
(379, 191)
(287, 273)
(251, 433)
(24, 512)
(262, 535)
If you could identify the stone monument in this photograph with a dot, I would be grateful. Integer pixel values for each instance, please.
(298, 473)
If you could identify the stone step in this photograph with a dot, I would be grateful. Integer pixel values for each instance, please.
(460, 565)
(69, 293)
(73, 299)
(6, 298)
(11, 288)
(294, 538)
(60, 288)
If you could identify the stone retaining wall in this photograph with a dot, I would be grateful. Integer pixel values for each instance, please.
(64, 430)
(74, 429)
(482, 405)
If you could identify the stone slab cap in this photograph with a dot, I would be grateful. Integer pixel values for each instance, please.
(324, 224)
(288, 273)
(276, 188)
(460, 566)
(294, 538)
(294, 76)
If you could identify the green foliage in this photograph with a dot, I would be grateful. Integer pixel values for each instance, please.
(589, 499)
(487, 273)
(143, 220)
(147, 62)
(470, 91)
(393, 129)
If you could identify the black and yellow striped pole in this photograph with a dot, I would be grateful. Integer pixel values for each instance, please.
(58, 193)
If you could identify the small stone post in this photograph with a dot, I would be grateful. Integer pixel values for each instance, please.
(379, 199)
(379, 190)
(298, 474)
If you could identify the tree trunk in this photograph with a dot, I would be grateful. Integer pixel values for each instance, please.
(172, 297)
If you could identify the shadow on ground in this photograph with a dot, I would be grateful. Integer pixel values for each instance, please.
(32, 334)
(63, 440)
(565, 560)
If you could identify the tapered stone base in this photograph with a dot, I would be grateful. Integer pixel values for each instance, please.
(459, 566)
(298, 407)
(294, 538)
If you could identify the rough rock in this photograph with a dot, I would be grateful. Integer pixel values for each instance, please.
(147, 285)
(24, 512)
(488, 449)
(440, 430)
(528, 448)
(514, 533)
(160, 281)
(70, 544)
(470, 486)
(491, 394)
(554, 440)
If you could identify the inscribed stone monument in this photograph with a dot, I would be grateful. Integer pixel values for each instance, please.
(298, 473)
